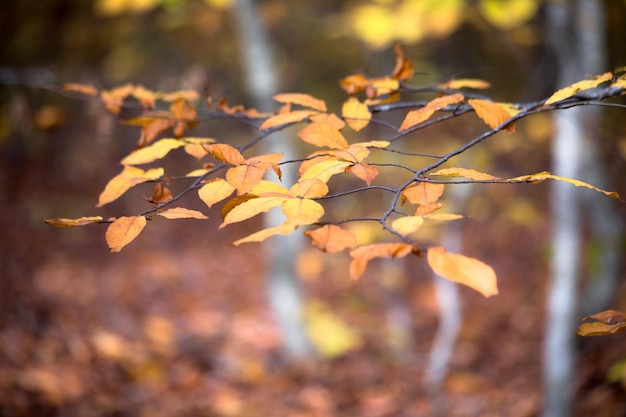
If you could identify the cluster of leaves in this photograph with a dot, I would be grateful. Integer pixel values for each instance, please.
(239, 182)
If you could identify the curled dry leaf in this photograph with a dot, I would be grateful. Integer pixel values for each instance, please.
(81, 221)
(609, 322)
(545, 175)
(123, 231)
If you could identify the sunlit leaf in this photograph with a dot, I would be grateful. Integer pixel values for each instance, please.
(424, 209)
(244, 177)
(153, 152)
(353, 153)
(464, 270)
(381, 86)
(442, 216)
(364, 172)
(570, 90)
(81, 221)
(225, 153)
(323, 135)
(330, 119)
(215, 191)
(265, 187)
(309, 188)
(146, 97)
(123, 231)
(542, 176)
(418, 116)
(304, 100)
(455, 84)
(114, 98)
(151, 128)
(129, 177)
(181, 213)
(331, 238)
(423, 193)
(493, 114)
(301, 211)
(324, 170)
(198, 172)
(86, 89)
(357, 114)
(353, 84)
(407, 224)
(465, 173)
(284, 229)
(286, 118)
(188, 95)
(362, 255)
(251, 208)
(380, 144)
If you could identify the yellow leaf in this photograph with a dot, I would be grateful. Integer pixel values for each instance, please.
(600, 329)
(153, 152)
(381, 144)
(362, 255)
(324, 170)
(464, 270)
(215, 191)
(251, 208)
(541, 176)
(331, 238)
(464, 83)
(407, 225)
(323, 135)
(442, 216)
(353, 153)
(570, 90)
(423, 193)
(301, 99)
(81, 88)
(61, 222)
(300, 211)
(188, 95)
(309, 189)
(384, 85)
(284, 229)
(465, 173)
(493, 114)
(182, 213)
(286, 118)
(424, 209)
(225, 153)
(123, 231)
(197, 172)
(364, 172)
(508, 14)
(146, 97)
(195, 146)
(129, 177)
(244, 177)
(357, 114)
(265, 187)
(330, 119)
(418, 116)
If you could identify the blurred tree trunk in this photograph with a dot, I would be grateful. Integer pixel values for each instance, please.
(575, 36)
(261, 78)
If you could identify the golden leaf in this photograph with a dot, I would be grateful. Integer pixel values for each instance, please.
(309, 189)
(570, 90)
(425, 209)
(153, 152)
(353, 84)
(442, 216)
(331, 238)
(324, 170)
(86, 89)
(464, 83)
(182, 213)
(362, 255)
(225, 153)
(244, 177)
(404, 68)
(357, 114)
(418, 116)
(215, 191)
(305, 100)
(146, 97)
(465, 173)
(364, 172)
(600, 329)
(123, 231)
(493, 114)
(188, 95)
(423, 193)
(265, 187)
(183, 110)
(284, 229)
(129, 177)
(160, 193)
(382, 86)
(407, 225)
(151, 128)
(330, 119)
(286, 118)
(323, 135)
(251, 208)
(81, 221)
(464, 270)
(300, 211)
(354, 153)
(542, 176)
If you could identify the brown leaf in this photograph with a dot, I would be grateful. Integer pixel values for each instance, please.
(161, 193)
(183, 110)
(404, 68)
(608, 316)
(600, 329)
(81, 221)
(331, 238)
(362, 255)
(123, 231)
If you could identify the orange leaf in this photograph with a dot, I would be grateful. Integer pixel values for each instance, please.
(113, 99)
(404, 68)
(464, 270)
(608, 316)
(364, 172)
(183, 110)
(493, 114)
(301, 211)
(362, 255)
(407, 225)
(225, 153)
(286, 118)
(251, 208)
(324, 170)
(331, 238)
(123, 231)
(542, 176)
(188, 95)
(301, 99)
(244, 177)
(215, 191)
(160, 193)
(357, 114)
(284, 229)
(418, 116)
(182, 213)
(353, 84)
(600, 329)
(153, 152)
(323, 135)
(195, 146)
(381, 86)
(86, 89)
(331, 119)
(146, 97)
(129, 177)
(424, 209)
(464, 83)
(61, 222)
(423, 193)
(570, 90)
(153, 128)
(309, 189)
(443, 216)
(465, 173)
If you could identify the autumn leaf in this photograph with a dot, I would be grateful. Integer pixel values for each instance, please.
(244, 177)
(268, 187)
(324, 170)
(356, 114)
(284, 229)
(464, 270)
(225, 153)
(330, 119)
(304, 100)
(608, 322)
(571, 90)
(182, 109)
(151, 128)
(153, 152)
(424, 209)
(542, 176)
(353, 84)
(381, 86)
(465, 173)
(464, 83)
(129, 177)
(309, 189)
(608, 316)
(331, 238)
(418, 116)
(493, 114)
(146, 97)
(86, 89)
(123, 231)
(251, 208)
(364, 172)
(196, 146)
(442, 216)
(404, 68)
(215, 191)
(423, 193)
(286, 118)
(160, 194)
(323, 135)
(81, 221)
(362, 255)
(301, 211)
(181, 213)
(407, 224)
(188, 95)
